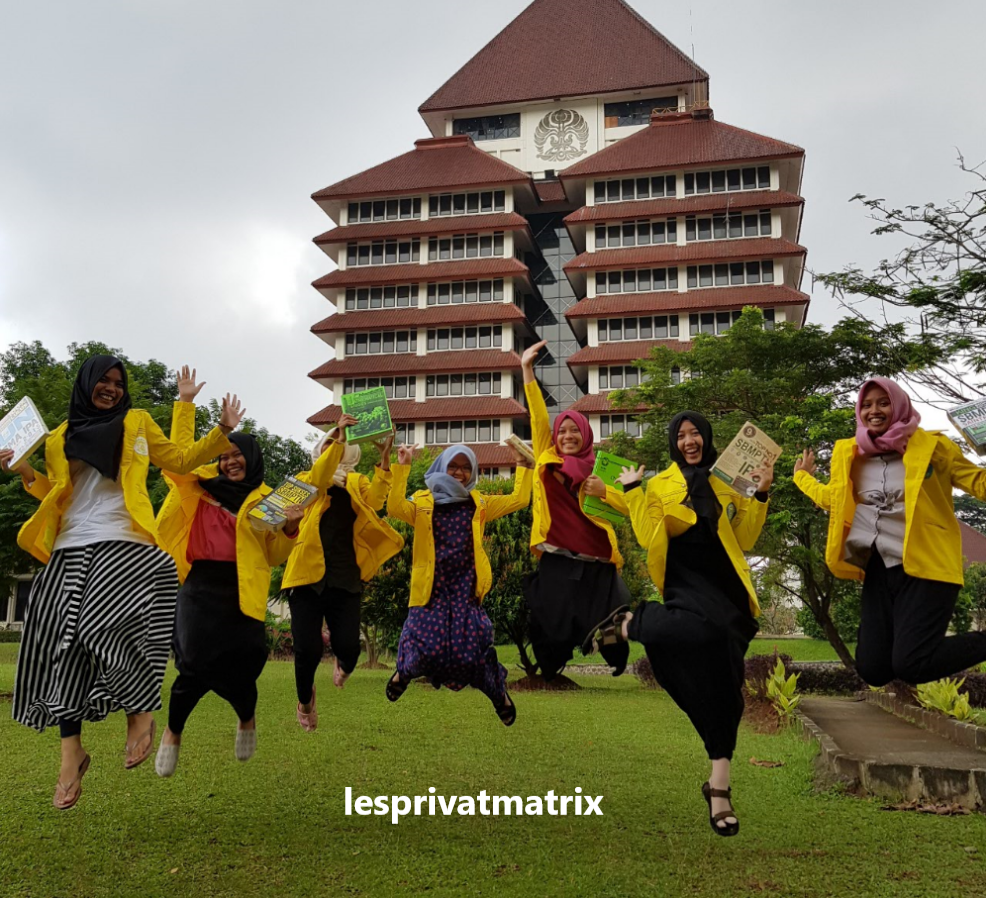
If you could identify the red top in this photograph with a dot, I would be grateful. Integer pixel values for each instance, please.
(570, 529)
(213, 536)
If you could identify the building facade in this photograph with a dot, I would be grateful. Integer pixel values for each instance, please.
(576, 188)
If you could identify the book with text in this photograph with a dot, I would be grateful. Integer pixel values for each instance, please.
(607, 468)
(970, 420)
(371, 410)
(750, 449)
(268, 513)
(23, 430)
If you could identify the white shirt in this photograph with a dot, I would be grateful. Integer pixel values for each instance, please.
(96, 513)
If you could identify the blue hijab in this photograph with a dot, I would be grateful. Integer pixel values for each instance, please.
(444, 487)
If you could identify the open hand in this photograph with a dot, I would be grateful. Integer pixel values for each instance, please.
(405, 453)
(188, 389)
(232, 413)
(531, 354)
(631, 476)
(594, 486)
(385, 445)
(294, 514)
(806, 463)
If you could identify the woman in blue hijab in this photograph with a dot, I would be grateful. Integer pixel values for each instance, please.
(447, 636)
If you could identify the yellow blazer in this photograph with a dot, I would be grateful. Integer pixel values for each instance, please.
(418, 513)
(657, 515)
(933, 465)
(375, 541)
(144, 444)
(545, 453)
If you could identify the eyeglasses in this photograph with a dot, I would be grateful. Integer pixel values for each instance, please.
(452, 468)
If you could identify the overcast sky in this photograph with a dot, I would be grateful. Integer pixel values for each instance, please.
(157, 156)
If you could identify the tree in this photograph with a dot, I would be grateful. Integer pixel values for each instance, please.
(971, 511)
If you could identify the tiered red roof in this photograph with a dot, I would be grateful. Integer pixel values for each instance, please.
(566, 48)
(381, 275)
(625, 351)
(675, 140)
(472, 224)
(466, 408)
(550, 191)
(689, 205)
(433, 316)
(723, 298)
(408, 363)
(692, 253)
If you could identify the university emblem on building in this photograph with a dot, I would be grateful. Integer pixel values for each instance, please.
(561, 135)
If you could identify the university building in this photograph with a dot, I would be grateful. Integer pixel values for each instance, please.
(576, 187)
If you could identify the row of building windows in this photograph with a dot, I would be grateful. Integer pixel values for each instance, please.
(465, 338)
(489, 127)
(383, 252)
(634, 189)
(358, 298)
(464, 384)
(379, 343)
(619, 377)
(467, 203)
(636, 233)
(730, 274)
(720, 322)
(648, 327)
(465, 291)
(610, 424)
(644, 280)
(465, 246)
(728, 227)
(443, 433)
(394, 387)
(636, 112)
(384, 210)
(728, 180)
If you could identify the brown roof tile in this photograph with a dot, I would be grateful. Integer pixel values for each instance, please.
(627, 351)
(550, 191)
(377, 319)
(444, 409)
(724, 298)
(565, 48)
(703, 251)
(409, 363)
(466, 269)
(973, 544)
(689, 205)
(461, 224)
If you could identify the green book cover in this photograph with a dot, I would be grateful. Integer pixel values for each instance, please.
(370, 408)
(607, 468)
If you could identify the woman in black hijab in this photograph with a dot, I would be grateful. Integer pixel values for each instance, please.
(100, 614)
(695, 529)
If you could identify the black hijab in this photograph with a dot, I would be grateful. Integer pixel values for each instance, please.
(95, 435)
(700, 493)
(231, 494)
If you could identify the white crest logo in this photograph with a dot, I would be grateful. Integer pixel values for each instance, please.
(140, 446)
(561, 135)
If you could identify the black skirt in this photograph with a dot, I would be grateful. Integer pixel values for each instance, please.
(215, 642)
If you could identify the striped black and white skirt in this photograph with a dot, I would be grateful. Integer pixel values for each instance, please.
(97, 632)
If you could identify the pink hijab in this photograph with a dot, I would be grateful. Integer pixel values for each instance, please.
(904, 420)
(579, 466)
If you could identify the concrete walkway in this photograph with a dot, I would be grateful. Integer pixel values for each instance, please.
(867, 748)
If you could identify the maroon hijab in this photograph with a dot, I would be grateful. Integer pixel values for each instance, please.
(578, 466)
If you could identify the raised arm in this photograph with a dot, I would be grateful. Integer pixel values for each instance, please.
(498, 506)
(397, 505)
(375, 492)
(804, 480)
(172, 456)
(540, 423)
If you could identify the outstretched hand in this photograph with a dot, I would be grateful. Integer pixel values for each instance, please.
(530, 355)
(631, 476)
(341, 425)
(232, 413)
(188, 389)
(405, 453)
(806, 463)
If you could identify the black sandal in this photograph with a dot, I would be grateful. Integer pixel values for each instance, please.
(507, 712)
(730, 829)
(395, 688)
(609, 631)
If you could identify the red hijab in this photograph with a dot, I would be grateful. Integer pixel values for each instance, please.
(576, 467)
(904, 420)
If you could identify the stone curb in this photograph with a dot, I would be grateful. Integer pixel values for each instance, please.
(966, 788)
(968, 735)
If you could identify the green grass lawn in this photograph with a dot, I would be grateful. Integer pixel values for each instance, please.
(276, 825)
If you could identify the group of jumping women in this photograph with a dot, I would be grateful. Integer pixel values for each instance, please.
(121, 587)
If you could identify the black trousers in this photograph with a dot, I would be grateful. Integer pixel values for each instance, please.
(902, 629)
(340, 609)
(187, 691)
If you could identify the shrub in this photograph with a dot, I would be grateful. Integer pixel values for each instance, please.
(944, 696)
(10, 635)
(827, 678)
(758, 671)
(278, 632)
(782, 692)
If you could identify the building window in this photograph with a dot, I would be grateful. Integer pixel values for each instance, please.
(465, 246)
(381, 297)
(384, 210)
(463, 384)
(394, 387)
(444, 433)
(634, 189)
(720, 322)
(467, 203)
(636, 112)
(465, 291)
(381, 343)
(644, 280)
(728, 227)
(618, 377)
(675, 376)
(456, 338)
(728, 180)
(610, 424)
(731, 274)
(636, 233)
(656, 327)
(489, 127)
(381, 252)
(404, 433)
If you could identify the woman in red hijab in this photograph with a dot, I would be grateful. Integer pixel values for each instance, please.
(892, 525)
(578, 581)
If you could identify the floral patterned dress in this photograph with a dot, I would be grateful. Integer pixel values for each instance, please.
(450, 640)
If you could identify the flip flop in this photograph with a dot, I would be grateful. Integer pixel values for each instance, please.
(135, 761)
(72, 791)
(609, 631)
(395, 688)
(507, 712)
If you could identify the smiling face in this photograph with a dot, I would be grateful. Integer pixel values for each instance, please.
(690, 443)
(233, 464)
(109, 391)
(876, 410)
(569, 440)
(460, 469)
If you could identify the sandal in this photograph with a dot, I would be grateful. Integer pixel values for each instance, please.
(609, 631)
(395, 688)
(66, 797)
(339, 676)
(730, 829)
(507, 712)
(309, 721)
(136, 760)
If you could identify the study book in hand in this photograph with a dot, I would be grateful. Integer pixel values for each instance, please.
(750, 449)
(607, 468)
(268, 513)
(970, 420)
(23, 430)
(370, 409)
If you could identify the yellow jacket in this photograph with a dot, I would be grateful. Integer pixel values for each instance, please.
(144, 444)
(657, 515)
(257, 551)
(933, 465)
(375, 541)
(418, 512)
(545, 453)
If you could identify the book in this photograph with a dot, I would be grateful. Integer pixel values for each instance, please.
(750, 449)
(970, 421)
(516, 443)
(268, 513)
(371, 410)
(23, 430)
(607, 468)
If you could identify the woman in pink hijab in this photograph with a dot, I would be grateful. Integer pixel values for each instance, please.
(892, 525)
